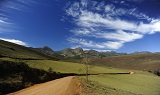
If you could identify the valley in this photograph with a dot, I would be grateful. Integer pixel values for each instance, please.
(21, 63)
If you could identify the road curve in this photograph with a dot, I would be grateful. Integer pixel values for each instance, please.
(64, 86)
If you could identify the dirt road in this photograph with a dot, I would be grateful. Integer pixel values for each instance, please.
(64, 86)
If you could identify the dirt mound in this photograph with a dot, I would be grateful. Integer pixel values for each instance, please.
(64, 86)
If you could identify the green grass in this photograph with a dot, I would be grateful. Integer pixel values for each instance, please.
(141, 83)
(69, 67)
(12, 50)
(95, 88)
(63, 67)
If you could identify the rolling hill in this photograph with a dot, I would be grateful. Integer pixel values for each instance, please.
(12, 50)
(46, 50)
(133, 61)
(140, 61)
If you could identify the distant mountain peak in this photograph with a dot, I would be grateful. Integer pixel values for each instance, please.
(78, 50)
(45, 49)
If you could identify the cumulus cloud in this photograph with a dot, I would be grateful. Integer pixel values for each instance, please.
(101, 25)
(15, 41)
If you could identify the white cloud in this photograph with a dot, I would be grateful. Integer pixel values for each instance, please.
(113, 45)
(5, 26)
(72, 10)
(90, 19)
(1, 21)
(118, 35)
(12, 5)
(15, 41)
(150, 28)
(106, 24)
(99, 50)
(156, 26)
(91, 44)
(85, 43)
(82, 31)
(122, 2)
(111, 10)
(108, 8)
(82, 42)
(84, 3)
(100, 6)
(6, 22)
(121, 36)
(19, 5)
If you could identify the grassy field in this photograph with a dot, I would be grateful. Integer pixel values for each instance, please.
(141, 83)
(66, 67)
(69, 67)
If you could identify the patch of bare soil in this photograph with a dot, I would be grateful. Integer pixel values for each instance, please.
(64, 86)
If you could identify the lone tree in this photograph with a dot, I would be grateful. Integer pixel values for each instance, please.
(86, 60)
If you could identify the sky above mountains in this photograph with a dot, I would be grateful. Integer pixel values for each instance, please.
(120, 25)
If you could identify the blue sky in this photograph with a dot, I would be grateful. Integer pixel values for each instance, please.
(120, 25)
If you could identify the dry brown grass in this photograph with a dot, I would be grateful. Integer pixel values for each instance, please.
(138, 62)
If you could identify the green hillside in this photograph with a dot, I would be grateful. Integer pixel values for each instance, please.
(12, 50)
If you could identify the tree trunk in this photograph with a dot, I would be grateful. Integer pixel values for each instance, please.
(87, 71)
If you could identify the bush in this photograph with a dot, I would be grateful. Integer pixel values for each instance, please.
(156, 72)
(18, 75)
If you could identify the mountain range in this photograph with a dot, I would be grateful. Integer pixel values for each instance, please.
(79, 52)
(138, 60)
(14, 50)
